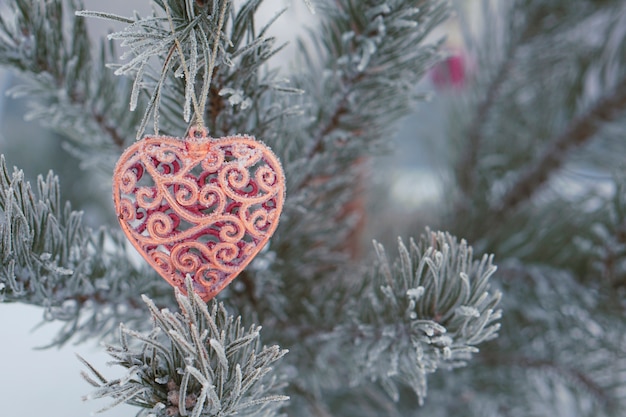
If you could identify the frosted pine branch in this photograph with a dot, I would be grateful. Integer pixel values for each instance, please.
(427, 310)
(359, 72)
(197, 361)
(196, 67)
(50, 259)
(68, 85)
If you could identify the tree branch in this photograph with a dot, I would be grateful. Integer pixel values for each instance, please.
(466, 171)
(581, 130)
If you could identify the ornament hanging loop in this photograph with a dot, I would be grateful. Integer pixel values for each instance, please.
(198, 132)
(199, 103)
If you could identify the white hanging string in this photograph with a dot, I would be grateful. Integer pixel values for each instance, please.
(199, 104)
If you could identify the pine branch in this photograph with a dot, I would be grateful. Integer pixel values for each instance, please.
(197, 361)
(218, 75)
(68, 86)
(369, 56)
(50, 259)
(366, 48)
(560, 352)
(580, 130)
(529, 101)
(428, 310)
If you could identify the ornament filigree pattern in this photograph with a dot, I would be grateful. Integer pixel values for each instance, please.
(199, 206)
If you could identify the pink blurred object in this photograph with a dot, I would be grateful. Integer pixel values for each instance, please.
(450, 73)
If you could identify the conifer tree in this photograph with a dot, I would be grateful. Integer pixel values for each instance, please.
(319, 324)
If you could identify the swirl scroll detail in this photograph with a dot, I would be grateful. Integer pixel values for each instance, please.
(199, 206)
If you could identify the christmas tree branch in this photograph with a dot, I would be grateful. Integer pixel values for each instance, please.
(197, 361)
(216, 58)
(75, 94)
(579, 131)
(369, 60)
(524, 107)
(525, 22)
(428, 310)
(366, 45)
(50, 259)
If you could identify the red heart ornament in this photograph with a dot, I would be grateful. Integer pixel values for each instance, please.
(198, 206)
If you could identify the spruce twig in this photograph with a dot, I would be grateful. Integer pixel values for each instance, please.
(428, 309)
(49, 258)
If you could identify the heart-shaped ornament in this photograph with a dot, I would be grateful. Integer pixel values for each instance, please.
(199, 206)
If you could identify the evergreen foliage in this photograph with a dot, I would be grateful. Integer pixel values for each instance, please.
(200, 361)
(50, 259)
(76, 94)
(366, 335)
(427, 310)
(536, 181)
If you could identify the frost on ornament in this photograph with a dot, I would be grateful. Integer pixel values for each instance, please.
(199, 206)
